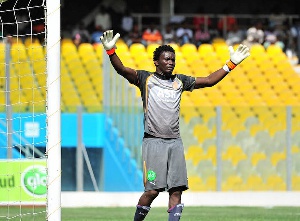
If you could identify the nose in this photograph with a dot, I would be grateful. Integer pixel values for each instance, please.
(171, 62)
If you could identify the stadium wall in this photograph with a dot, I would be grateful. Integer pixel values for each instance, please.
(114, 169)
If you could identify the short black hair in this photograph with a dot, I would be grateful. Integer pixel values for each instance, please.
(159, 50)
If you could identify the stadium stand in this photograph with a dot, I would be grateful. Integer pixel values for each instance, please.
(253, 102)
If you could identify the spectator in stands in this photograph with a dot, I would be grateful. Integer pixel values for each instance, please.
(226, 23)
(184, 33)
(277, 18)
(169, 35)
(23, 23)
(202, 19)
(126, 24)
(103, 18)
(176, 20)
(135, 36)
(164, 166)
(235, 35)
(152, 35)
(255, 34)
(96, 34)
(272, 37)
(80, 35)
(201, 36)
(295, 34)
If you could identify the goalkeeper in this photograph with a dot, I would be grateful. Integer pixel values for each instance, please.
(164, 167)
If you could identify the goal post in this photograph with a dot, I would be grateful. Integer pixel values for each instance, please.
(30, 110)
(53, 150)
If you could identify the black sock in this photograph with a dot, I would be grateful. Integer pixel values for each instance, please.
(175, 212)
(141, 212)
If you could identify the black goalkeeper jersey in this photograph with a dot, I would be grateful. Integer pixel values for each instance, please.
(161, 101)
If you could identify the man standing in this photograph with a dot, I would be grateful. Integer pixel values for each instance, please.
(164, 166)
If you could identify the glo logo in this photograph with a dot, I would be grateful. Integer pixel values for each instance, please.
(34, 180)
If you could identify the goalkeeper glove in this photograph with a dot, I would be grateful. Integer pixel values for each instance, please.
(236, 57)
(109, 42)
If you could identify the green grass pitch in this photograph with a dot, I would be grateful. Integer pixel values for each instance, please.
(158, 214)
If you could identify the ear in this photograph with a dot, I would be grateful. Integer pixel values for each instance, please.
(156, 63)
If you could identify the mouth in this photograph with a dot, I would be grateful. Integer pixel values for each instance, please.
(170, 68)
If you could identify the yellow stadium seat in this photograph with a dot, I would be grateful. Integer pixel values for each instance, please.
(199, 69)
(18, 52)
(66, 40)
(296, 182)
(129, 62)
(137, 48)
(29, 40)
(256, 157)
(205, 49)
(202, 132)
(121, 47)
(188, 48)
(257, 49)
(195, 154)
(248, 64)
(276, 157)
(274, 50)
(199, 99)
(35, 51)
(275, 182)
(192, 57)
(176, 47)
(209, 57)
(99, 51)
(262, 59)
(182, 69)
(255, 182)
(2, 52)
(188, 112)
(68, 47)
(279, 58)
(151, 48)
(196, 184)
(125, 55)
(146, 65)
(234, 154)
(285, 66)
(211, 183)
(233, 183)
(218, 40)
(142, 57)
(222, 49)
(86, 48)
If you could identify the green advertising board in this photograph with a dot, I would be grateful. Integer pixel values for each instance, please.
(23, 181)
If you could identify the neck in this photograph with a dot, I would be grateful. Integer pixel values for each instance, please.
(164, 76)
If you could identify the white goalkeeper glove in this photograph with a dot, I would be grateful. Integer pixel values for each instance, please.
(236, 57)
(109, 42)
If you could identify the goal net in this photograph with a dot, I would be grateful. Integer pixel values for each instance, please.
(30, 173)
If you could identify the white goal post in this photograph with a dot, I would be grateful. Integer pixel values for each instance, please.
(30, 109)
(53, 111)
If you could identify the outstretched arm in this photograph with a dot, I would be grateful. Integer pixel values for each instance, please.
(236, 57)
(109, 44)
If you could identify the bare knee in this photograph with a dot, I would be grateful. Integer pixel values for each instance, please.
(152, 194)
(174, 197)
(148, 197)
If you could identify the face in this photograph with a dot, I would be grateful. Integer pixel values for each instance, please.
(165, 63)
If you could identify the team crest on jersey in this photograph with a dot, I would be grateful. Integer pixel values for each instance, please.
(175, 85)
(151, 175)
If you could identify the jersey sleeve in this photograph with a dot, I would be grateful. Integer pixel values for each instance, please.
(141, 79)
(187, 81)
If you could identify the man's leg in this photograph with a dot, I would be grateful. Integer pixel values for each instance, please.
(175, 205)
(144, 204)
